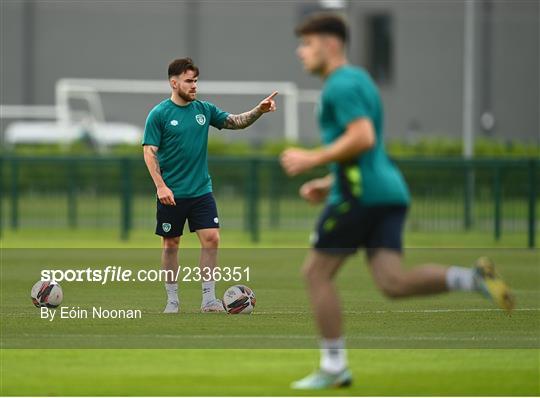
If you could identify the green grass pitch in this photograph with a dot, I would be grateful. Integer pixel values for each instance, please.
(454, 344)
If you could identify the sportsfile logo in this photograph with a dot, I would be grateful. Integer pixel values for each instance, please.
(120, 274)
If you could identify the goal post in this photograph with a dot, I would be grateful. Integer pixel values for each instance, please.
(67, 89)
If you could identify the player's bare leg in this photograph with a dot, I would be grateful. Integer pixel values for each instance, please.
(169, 263)
(209, 239)
(319, 270)
(395, 281)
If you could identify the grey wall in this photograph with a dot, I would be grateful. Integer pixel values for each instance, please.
(43, 41)
(516, 68)
(12, 34)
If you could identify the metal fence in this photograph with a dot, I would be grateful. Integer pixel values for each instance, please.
(254, 195)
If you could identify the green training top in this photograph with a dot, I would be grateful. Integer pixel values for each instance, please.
(181, 134)
(348, 94)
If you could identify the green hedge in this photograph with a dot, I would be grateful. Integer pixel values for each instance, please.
(425, 147)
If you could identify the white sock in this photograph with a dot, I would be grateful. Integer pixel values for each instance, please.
(460, 278)
(333, 355)
(172, 292)
(208, 291)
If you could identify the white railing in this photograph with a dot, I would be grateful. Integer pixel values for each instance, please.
(90, 90)
(27, 112)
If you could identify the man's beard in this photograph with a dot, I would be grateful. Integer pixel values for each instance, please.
(317, 69)
(185, 96)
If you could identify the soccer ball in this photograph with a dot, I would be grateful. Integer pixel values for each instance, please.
(239, 299)
(46, 294)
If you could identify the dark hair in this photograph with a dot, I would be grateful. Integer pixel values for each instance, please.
(324, 23)
(180, 65)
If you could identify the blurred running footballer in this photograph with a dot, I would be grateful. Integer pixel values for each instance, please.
(366, 200)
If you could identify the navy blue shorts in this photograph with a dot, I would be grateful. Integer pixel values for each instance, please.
(344, 228)
(200, 212)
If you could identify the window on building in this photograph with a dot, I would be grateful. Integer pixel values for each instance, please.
(380, 47)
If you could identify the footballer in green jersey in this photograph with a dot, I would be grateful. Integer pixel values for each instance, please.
(175, 147)
(366, 200)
